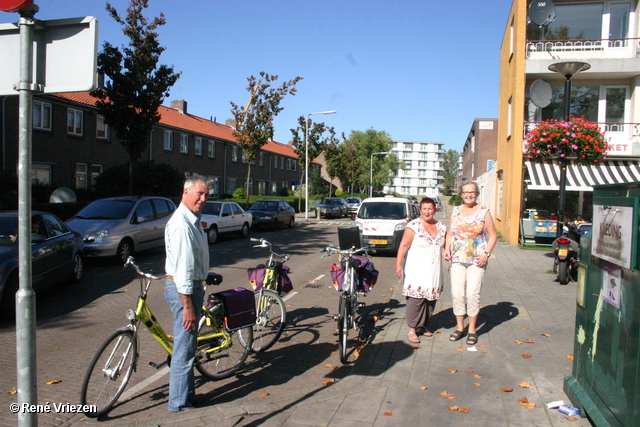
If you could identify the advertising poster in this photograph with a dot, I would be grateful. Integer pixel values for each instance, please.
(612, 236)
(611, 286)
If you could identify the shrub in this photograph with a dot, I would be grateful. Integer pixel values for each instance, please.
(150, 178)
(240, 193)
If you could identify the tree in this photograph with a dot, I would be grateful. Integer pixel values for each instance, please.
(450, 160)
(137, 84)
(385, 167)
(254, 123)
(333, 158)
(352, 170)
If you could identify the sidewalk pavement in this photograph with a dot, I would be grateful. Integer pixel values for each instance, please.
(524, 352)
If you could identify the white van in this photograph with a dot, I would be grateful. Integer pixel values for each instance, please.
(382, 220)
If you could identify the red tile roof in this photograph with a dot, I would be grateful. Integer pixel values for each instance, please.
(174, 118)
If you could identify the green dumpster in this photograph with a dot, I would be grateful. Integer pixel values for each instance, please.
(605, 384)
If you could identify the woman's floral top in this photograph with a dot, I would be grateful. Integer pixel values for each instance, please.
(469, 238)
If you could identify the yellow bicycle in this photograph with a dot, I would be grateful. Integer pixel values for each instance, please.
(217, 355)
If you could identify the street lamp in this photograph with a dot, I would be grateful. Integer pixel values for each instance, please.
(371, 172)
(306, 161)
(568, 69)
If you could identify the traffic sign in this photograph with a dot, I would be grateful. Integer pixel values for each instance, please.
(14, 5)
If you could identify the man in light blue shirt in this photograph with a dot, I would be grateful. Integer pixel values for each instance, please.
(187, 266)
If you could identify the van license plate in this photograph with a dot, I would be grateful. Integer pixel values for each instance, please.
(377, 242)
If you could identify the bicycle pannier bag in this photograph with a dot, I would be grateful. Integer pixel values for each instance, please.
(256, 276)
(239, 308)
(367, 274)
(337, 275)
(284, 283)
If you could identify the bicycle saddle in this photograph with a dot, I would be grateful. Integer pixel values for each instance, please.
(214, 279)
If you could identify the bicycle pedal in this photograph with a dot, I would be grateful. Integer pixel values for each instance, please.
(336, 317)
(157, 365)
(361, 304)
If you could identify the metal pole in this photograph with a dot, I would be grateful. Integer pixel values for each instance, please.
(25, 297)
(306, 168)
(563, 161)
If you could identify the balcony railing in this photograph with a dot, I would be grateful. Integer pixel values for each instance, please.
(546, 49)
(622, 137)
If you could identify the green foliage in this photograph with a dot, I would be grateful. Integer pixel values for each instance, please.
(339, 192)
(455, 200)
(450, 160)
(285, 192)
(150, 178)
(240, 193)
(317, 185)
(136, 84)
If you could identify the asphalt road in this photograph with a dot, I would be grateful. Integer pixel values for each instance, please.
(73, 320)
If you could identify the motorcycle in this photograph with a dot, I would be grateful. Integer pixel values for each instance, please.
(565, 251)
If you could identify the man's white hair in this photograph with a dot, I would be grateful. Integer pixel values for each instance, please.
(193, 179)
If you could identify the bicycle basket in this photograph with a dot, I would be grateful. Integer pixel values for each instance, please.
(367, 274)
(337, 275)
(256, 276)
(239, 308)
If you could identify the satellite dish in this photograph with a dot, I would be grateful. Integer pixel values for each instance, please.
(542, 12)
(540, 93)
(63, 195)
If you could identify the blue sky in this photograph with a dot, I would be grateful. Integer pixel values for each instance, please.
(419, 70)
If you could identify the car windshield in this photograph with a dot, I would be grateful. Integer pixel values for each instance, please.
(212, 208)
(352, 200)
(107, 209)
(264, 206)
(383, 210)
(330, 201)
(8, 231)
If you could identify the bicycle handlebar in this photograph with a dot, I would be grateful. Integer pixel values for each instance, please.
(266, 244)
(333, 249)
(132, 262)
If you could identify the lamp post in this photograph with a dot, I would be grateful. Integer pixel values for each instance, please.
(306, 161)
(371, 172)
(568, 69)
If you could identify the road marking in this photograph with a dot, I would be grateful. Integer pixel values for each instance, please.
(289, 295)
(140, 386)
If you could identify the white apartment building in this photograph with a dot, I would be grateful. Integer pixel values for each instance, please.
(422, 175)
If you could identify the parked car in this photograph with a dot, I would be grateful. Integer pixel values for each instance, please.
(438, 203)
(56, 255)
(118, 226)
(224, 217)
(332, 206)
(353, 203)
(272, 213)
(382, 221)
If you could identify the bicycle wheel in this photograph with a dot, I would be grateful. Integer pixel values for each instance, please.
(230, 355)
(271, 315)
(343, 328)
(109, 372)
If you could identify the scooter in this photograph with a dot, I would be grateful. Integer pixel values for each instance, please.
(565, 251)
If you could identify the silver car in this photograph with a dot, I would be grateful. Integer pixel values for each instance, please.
(118, 226)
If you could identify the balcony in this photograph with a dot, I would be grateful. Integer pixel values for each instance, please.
(582, 49)
(624, 138)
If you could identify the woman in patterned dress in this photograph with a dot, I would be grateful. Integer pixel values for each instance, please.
(470, 240)
(422, 244)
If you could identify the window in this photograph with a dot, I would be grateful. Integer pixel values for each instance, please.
(81, 175)
(261, 159)
(237, 210)
(244, 156)
(144, 212)
(162, 208)
(74, 121)
(509, 117)
(168, 140)
(41, 115)
(288, 164)
(212, 149)
(294, 165)
(232, 185)
(274, 188)
(96, 170)
(214, 186)
(282, 163)
(234, 153)
(198, 147)
(184, 143)
(226, 210)
(262, 188)
(500, 189)
(275, 162)
(102, 129)
(41, 174)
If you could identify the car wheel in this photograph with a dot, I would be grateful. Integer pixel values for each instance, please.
(245, 230)
(125, 250)
(77, 268)
(212, 235)
(276, 224)
(291, 221)
(8, 299)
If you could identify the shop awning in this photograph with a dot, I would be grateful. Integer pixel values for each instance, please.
(545, 176)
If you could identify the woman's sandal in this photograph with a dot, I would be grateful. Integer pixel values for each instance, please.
(415, 338)
(472, 339)
(456, 336)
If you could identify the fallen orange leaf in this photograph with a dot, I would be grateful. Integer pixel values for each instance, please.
(478, 384)
(478, 376)
(525, 327)
(329, 365)
(484, 351)
(523, 400)
(507, 389)
(264, 395)
(376, 318)
(424, 388)
(529, 341)
(528, 405)
(54, 382)
(447, 395)
(459, 349)
(327, 382)
(525, 384)
(526, 356)
(453, 371)
(440, 347)
(452, 408)
(469, 372)
(518, 342)
(545, 335)
(572, 418)
(570, 356)
(388, 413)
(482, 346)
(437, 332)
(463, 410)
(13, 391)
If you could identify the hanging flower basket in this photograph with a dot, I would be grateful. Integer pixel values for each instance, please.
(577, 140)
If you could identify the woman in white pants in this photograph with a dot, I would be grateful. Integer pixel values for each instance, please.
(470, 239)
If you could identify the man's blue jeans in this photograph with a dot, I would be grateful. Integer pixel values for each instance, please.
(181, 379)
